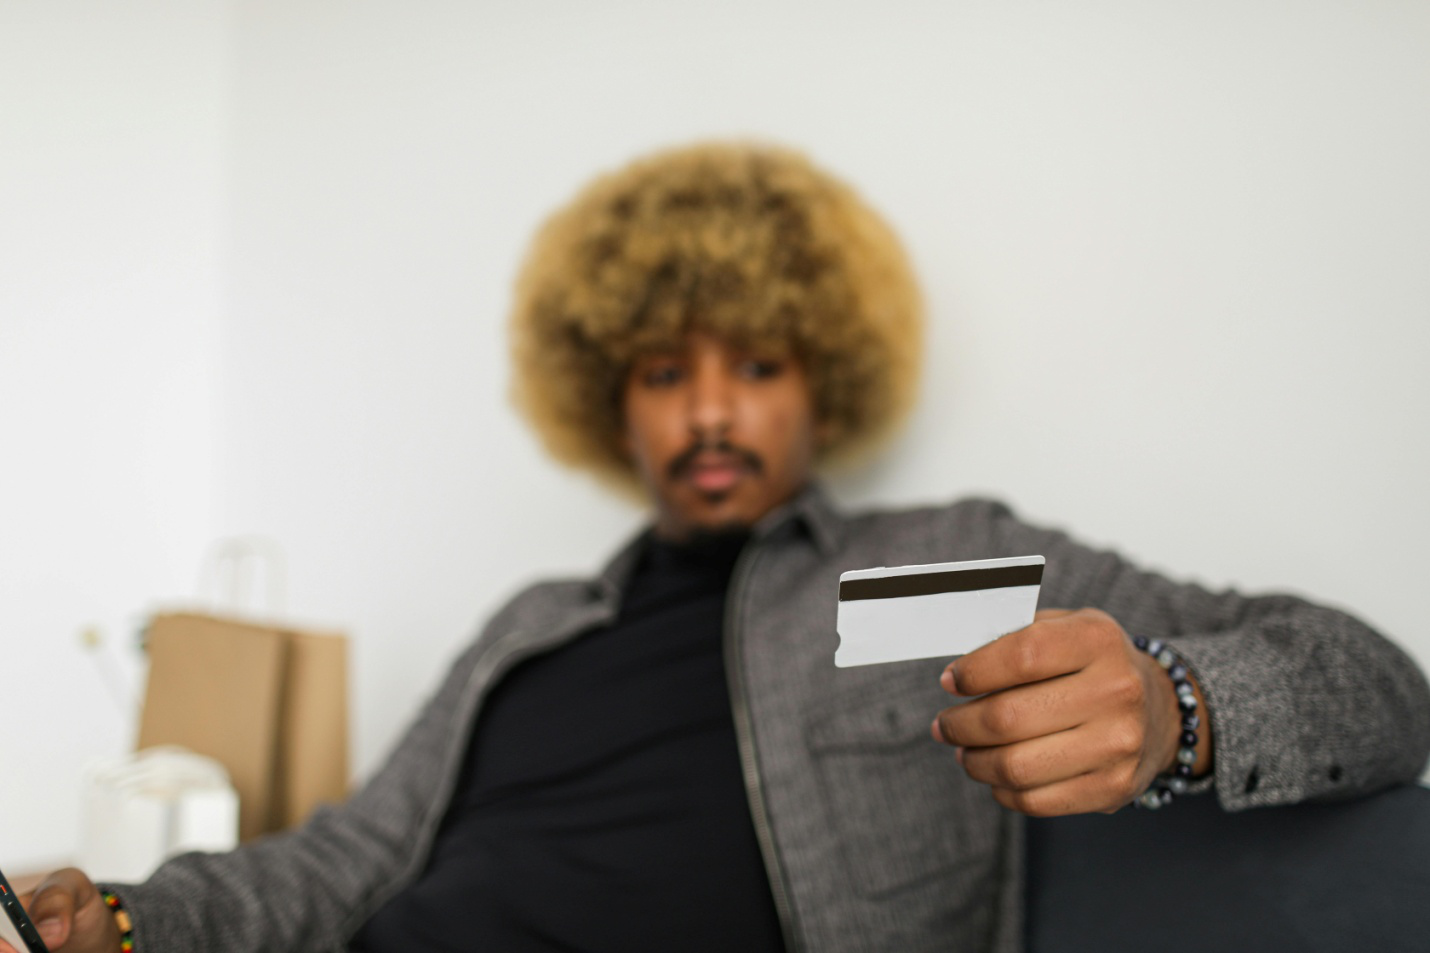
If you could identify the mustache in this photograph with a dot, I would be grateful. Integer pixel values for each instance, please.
(686, 458)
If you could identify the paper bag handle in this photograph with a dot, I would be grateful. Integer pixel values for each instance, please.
(227, 579)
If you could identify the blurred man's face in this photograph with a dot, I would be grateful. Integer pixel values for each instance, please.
(719, 434)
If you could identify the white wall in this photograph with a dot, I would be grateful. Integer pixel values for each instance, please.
(1174, 260)
(111, 194)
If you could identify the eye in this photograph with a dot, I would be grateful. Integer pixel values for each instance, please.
(760, 368)
(662, 374)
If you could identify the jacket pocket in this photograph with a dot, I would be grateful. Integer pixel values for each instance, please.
(905, 812)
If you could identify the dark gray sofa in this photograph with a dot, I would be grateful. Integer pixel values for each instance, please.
(1352, 875)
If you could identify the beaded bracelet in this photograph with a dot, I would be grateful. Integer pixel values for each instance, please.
(121, 920)
(1164, 788)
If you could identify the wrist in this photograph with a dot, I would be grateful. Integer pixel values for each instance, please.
(1203, 748)
(123, 925)
(1180, 722)
(1164, 716)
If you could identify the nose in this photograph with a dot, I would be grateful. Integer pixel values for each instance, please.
(712, 405)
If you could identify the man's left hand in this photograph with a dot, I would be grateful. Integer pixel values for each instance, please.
(1072, 718)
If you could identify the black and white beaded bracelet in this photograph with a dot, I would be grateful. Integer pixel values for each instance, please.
(1165, 787)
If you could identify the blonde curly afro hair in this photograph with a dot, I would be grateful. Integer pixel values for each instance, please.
(751, 243)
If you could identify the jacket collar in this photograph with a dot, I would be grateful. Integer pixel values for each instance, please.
(810, 510)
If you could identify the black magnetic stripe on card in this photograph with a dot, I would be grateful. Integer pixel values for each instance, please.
(933, 583)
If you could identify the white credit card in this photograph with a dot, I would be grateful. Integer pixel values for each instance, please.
(891, 614)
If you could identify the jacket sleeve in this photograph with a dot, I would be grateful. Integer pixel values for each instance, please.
(310, 888)
(1305, 702)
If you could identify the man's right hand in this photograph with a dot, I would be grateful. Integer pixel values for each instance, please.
(71, 915)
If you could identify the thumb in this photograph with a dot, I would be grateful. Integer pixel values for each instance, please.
(52, 907)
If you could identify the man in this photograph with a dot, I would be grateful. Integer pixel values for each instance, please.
(665, 757)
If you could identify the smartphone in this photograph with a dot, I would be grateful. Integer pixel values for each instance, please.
(24, 936)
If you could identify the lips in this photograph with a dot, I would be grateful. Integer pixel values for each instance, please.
(715, 475)
(714, 469)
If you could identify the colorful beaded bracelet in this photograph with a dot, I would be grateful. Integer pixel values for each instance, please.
(1165, 787)
(121, 920)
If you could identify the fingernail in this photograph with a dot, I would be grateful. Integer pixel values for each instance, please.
(958, 753)
(937, 730)
(949, 680)
(49, 929)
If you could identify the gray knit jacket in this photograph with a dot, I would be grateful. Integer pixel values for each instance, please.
(873, 837)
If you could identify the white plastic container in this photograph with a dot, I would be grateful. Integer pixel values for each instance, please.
(144, 808)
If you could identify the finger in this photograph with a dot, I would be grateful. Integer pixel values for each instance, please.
(1013, 715)
(7, 948)
(1042, 650)
(1042, 615)
(1080, 795)
(1054, 758)
(1026, 711)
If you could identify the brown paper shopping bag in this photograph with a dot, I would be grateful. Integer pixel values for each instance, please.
(269, 703)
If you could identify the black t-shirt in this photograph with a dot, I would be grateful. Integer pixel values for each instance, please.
(601, 804)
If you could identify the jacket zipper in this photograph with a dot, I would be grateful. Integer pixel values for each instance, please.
(749, 763)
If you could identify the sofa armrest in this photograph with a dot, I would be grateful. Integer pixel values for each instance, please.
(1353, 875)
